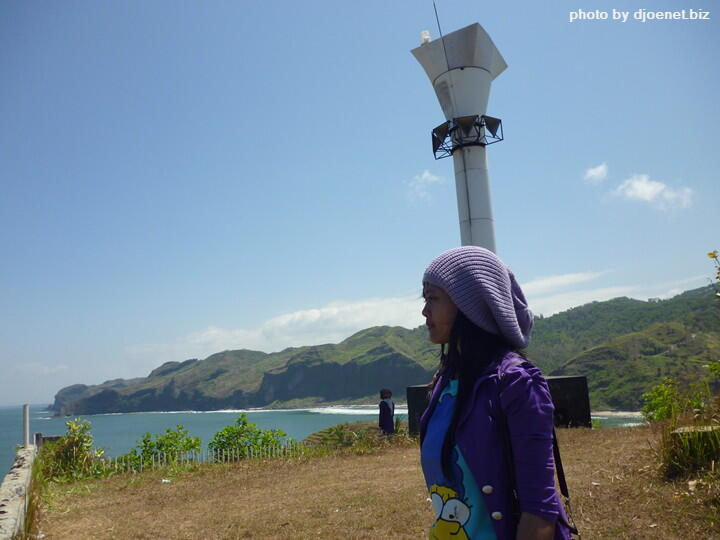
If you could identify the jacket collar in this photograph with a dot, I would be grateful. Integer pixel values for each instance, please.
(493, 371)
(499, 363)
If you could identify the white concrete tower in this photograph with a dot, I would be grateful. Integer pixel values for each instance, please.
(461, 66)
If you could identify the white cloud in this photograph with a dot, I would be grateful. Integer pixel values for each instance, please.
(329, 324)
(669, 294)
(420, 185)
(38, 369)
(544, 285)
(596, 175)
(640, 187)
(563, 300)
(668, 289)
(554, 303)
(337, 320)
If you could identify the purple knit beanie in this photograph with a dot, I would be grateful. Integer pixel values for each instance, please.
(485, 290)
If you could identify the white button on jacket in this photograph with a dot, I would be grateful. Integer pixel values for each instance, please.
(496, 515)
(487, 490)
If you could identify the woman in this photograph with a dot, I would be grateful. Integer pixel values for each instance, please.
(488, 428)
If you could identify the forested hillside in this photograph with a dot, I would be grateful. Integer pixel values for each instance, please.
(625, 347)
(558, 339)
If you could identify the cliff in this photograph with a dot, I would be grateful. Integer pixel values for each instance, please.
(355, 368)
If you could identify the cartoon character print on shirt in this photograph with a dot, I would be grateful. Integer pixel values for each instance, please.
(451, 514)
(452, 511)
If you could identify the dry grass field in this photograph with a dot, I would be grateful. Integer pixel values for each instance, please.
(616, 490)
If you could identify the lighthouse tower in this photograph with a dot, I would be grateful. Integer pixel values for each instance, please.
(461, 66)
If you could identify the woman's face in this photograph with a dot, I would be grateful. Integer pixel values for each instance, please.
(439, 313)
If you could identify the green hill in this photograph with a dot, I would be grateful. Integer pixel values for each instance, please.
(557, 339)
(623, 346)
(622, 369)
(351, 370)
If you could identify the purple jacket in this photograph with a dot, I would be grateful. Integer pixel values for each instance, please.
(525, 400)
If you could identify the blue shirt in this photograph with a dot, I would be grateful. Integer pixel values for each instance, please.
(460, 511)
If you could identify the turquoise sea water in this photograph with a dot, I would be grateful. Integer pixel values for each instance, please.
(118, 433)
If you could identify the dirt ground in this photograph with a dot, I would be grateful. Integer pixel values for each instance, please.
(615, 487)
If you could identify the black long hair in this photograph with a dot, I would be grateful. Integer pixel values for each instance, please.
(469, 353)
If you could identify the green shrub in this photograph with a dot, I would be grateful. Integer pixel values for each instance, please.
(667, 400)
(357, 438)
(662, 402)
(36, 494)
(338, 436)
(244, 439)
(688, 449)
(369, 440)
(714, 368)
(363, 438)
(168, 448)
(687, 419)
(72, 456)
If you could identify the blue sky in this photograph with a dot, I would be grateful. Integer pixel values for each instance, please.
(180, 178)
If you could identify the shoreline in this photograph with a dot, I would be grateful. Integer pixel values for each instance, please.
(400, 407)
(636, 414)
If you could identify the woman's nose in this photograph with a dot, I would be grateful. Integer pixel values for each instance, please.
(425, 311)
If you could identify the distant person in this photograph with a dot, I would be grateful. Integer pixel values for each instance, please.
(387, 412)
(487, 433)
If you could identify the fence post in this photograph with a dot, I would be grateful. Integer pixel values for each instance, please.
(26, 426)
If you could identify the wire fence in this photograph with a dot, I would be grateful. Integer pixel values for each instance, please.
(157, 460)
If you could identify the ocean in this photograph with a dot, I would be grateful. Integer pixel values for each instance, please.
(117, 433)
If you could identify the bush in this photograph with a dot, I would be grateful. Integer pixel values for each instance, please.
(689, 449)
(363, 438)
(667, 400)
(357, 438)
(72, 456)
(369, 440)
(662, 402)
(687, 418)
(168, 449)
(243, 439)
(338, 436)
(714, 369)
